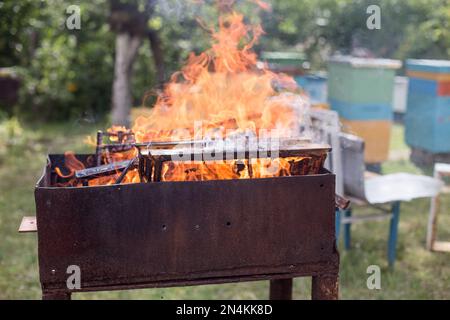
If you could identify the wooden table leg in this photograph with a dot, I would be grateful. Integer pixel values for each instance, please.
(441, 170)
(56, 295)
(281, 289)
(325, 287)
(432, 222)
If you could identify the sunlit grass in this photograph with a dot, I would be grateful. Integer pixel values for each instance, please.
(418, 274)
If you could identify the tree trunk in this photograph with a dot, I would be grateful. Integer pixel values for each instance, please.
(158, 56)
(127, 47)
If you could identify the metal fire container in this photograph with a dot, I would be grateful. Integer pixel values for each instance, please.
(164, 234)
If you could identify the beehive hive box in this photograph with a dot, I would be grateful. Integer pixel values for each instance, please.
(427, 120)
(286, 62)
(361, 91)
(315, 86)
(376, 135)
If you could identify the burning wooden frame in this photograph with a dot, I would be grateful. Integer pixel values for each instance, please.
(150, 161)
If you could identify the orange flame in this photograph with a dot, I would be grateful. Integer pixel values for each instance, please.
(222, 87)
(71, 163)
(229, 92)
(263, 5)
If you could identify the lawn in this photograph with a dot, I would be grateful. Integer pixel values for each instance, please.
(418, 274)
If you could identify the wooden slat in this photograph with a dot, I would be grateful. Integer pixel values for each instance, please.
(443, 246)
(28, 224)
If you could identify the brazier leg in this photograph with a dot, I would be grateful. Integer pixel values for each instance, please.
(325, 287)
(432, 222)
(281, 289)
(56, 295)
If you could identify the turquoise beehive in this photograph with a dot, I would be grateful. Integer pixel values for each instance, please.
(427, 120)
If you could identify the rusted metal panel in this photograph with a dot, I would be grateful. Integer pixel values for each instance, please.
(182, 233)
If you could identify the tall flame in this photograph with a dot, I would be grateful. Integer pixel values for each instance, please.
(231, 93)
(224, 87)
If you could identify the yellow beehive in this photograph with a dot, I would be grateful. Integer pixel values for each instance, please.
(376, 134)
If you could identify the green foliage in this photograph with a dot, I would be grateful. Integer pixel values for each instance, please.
(400, 20)
(430, 38)
(418, 273)
(17, 30)
(11, 134)
(69, 73)
(414, 28)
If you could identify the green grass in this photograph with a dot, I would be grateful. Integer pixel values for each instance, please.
(418, 274)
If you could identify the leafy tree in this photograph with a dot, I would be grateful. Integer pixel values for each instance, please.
(70, 73)
(18, 30)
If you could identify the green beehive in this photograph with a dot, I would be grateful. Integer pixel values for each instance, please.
(288, 62)
(361, 91)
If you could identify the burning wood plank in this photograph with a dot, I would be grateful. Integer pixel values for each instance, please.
(103, 170)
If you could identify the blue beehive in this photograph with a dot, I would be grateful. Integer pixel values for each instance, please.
(427, 120)
(316, 87)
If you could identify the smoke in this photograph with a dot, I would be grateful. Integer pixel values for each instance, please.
(180, 9)
(192, 9)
